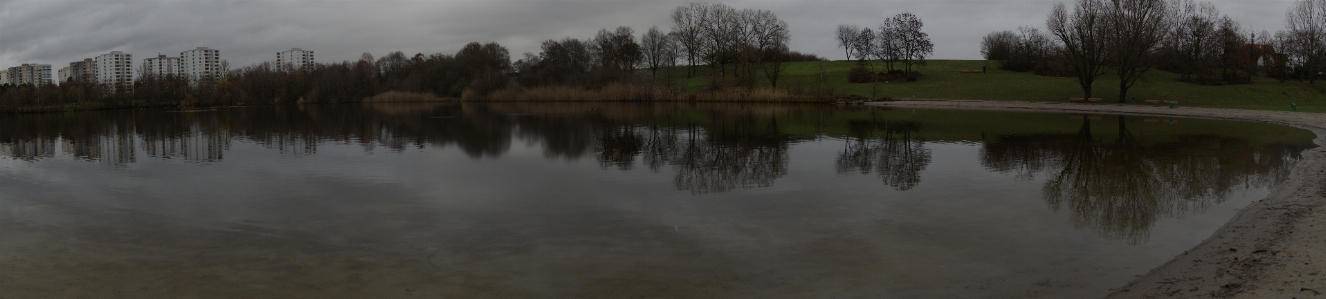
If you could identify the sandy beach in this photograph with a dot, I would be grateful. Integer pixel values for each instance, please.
(1273, 248)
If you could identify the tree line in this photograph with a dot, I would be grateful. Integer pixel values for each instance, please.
(899, 43)
(1128, 38)
(743, 44)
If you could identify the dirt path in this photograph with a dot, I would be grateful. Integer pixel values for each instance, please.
(1273, 248)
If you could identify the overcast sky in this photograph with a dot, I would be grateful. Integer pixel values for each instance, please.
(57, 32)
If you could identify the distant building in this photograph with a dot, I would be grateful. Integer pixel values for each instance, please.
(4, 77)
(201, 64)
(115, 71)
(63, 75)
(34, 74)
(294, 59)
(161, 66)
(83, 71)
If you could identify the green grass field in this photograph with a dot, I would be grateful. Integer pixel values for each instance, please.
(943, 80)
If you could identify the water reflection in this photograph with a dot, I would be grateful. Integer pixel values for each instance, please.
(886, 148)
(1110, 180)
(613, 200)
(1120, 187)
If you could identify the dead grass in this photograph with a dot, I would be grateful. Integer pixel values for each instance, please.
(405, 97)
(643, 93)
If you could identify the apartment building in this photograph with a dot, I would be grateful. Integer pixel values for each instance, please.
(161, 66)
(4, 77)
(201, 64)
(294, 59)
(34, 74)
(63, 75)
(115, 71)
(83, 71)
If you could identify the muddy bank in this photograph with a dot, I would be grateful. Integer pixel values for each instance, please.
(1274, 248)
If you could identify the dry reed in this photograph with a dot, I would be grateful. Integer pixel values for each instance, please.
(405, 97)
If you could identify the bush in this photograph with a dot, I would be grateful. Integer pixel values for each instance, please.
(795, 56)
(861, 75)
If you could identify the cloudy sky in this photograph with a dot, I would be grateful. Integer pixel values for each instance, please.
(251, 31)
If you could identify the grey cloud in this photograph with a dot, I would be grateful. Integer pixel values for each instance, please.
(248, 32)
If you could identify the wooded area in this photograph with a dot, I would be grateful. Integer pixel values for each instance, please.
(1192, 39)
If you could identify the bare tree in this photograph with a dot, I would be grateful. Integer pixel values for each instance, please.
(687, 22)
(674, 51)
(773, 63)
(999, 45)
(769, 36)
(1083, 38)
(720, 29)
(1031, 50)
(1304, 38)
(864, 45)
(656, 46)
(1192, 46)
(1134, 30)
(913, 44)
(847, 35)
(888, 47)
(616, 50)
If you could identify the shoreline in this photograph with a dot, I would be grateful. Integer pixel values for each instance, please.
(1265, 251)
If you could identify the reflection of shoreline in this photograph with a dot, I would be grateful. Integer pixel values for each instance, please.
(1270, 225)
(1120, 186)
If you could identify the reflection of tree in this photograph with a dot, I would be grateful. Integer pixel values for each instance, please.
(618, 145)
(1108, 187)
(888, 149)
(739, 154)
(1121, 187)
(740, 147)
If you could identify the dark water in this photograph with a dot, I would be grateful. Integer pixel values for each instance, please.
(613, 201)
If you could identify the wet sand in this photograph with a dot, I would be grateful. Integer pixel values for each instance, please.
(1273, 248)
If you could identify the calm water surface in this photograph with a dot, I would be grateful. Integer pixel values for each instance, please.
(613, 201)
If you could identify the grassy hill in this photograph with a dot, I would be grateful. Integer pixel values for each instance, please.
(943, 80)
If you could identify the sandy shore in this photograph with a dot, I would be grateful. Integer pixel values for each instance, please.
(1273, 248)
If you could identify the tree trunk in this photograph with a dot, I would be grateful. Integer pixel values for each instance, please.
(1123, 91)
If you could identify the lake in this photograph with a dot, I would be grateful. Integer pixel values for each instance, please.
(611, 200)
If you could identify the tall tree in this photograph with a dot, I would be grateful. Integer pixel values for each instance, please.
(888, 46)
(616, 50)
(864, 45)
(1134, 30)
(847, 35)
(769, 36)
(686, 23)
(656, 46)
(1192, 46)
(1083, 38)
(720, 29)
(913, 44)
(1304, 38)
(999, 45)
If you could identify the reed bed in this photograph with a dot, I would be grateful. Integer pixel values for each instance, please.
(406, 97)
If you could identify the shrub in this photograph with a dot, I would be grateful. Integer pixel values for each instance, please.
(861, 75)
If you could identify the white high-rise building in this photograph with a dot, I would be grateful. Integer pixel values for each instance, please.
(4, 77)
(115, 71)
(294, 59)
(161, 66)
(33, 74)
(201, 64)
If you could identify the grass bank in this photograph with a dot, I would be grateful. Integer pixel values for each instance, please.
(943, 79)
(646, 93)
